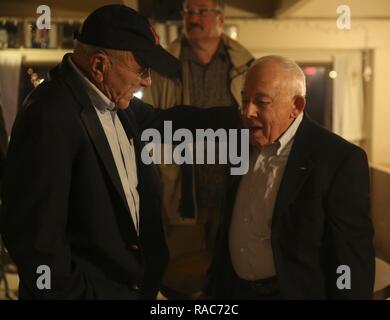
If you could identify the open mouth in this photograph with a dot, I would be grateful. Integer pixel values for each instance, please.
(254, 128)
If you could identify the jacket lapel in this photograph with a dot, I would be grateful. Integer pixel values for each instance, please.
(297, 170)
(99, 139)
(95, 130)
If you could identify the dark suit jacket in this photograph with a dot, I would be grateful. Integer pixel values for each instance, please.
(321, 220)
(64, 205)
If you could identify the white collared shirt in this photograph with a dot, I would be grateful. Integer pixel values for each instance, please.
(122, 149)
(250, 228)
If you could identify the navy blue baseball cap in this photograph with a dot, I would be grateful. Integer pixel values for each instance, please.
(119, 27)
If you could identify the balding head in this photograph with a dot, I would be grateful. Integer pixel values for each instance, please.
(273, 97)
(287, 72)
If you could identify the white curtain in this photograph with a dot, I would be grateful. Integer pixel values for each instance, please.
(348, 99)
(10, 64)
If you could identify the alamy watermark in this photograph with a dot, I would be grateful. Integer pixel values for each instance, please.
(227, 142)
(44, 280)
(344, 19)
(44, 20)
(343, 281)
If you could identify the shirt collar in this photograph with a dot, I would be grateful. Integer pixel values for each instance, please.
(98, 99)
(188, 54)
(288, 136)
(283, 144)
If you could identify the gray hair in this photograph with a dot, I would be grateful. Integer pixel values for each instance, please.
(291, 67)
(219, 4)
(88, 50)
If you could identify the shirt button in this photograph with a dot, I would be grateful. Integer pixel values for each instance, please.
(242, 250)
(246, 220)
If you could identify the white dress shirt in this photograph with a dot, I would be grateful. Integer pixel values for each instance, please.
(121, 148)
(250, 229)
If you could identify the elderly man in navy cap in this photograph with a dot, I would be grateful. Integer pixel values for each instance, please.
(81, 212)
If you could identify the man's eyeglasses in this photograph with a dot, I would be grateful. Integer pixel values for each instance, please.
(202, 12)
(143, 74)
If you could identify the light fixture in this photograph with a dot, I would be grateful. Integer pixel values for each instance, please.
(333, 74)
(310, 71)
(231, 31)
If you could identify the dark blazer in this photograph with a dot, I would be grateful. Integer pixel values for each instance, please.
(64, 205)
(321, 220)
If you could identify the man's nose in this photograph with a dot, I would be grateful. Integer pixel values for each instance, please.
(250, 111)
(193, 18)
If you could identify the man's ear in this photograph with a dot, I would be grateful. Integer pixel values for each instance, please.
(220, 22)
(99, 64)
(299, 106)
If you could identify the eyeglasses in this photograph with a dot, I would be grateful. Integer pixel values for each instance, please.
(143, 74)
(202, 12)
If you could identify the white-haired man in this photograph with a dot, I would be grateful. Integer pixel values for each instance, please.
(297, 224)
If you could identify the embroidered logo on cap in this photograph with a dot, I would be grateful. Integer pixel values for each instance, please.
(155, 36)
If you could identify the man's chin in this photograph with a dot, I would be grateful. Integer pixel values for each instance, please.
(195, 34)
(257, 141)
(253, 142)
(256, 134)
(124, 104)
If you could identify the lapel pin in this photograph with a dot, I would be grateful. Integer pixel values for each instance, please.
(303, 168)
